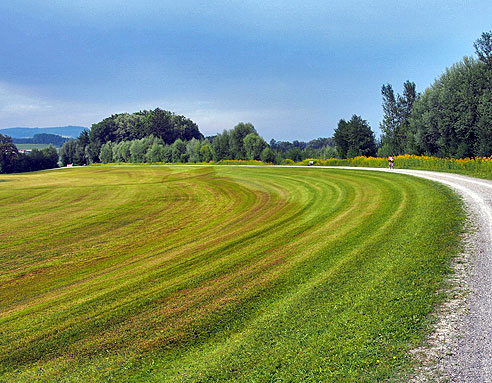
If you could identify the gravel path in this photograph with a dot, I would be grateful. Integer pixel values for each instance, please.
(460, 348)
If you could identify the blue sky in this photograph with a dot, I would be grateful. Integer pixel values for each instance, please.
(292, 68)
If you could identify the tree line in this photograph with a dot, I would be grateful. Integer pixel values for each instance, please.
(12, 161)
(239, 143)
(451, 118)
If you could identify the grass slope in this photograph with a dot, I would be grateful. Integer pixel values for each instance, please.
(185, 274)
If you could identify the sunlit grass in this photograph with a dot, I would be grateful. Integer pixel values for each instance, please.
(169, 273)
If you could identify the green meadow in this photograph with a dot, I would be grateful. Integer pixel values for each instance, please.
(219, 274)
(32, 146)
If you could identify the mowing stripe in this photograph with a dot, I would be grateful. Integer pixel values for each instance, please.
(197, 274)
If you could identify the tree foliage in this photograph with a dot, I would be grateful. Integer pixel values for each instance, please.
(8, 154)
(254, 145)
(397, 137)
(124, 127)
(236, 140)
(161, 124)
(11, 161)
(483, 48)
(221, 146)
(452, 118)
(354, 138)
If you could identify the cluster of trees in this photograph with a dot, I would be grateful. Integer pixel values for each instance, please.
(299, 150)
(158, 123)
(42, 138)
(11, 161)
(452, 118)
(397, 135)
(354, 138)
(240, 143)
(154, 149)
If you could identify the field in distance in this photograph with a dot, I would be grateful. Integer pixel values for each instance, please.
(208, 274)
(32, 146)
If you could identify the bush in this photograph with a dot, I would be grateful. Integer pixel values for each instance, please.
(288, 161)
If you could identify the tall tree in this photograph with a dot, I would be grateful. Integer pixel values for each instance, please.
(221, 148)
(178, 149)
(8, 154)
(67, 152)
(397, 137)
(342, 137)
(206, 152)
(267, 155)
(236, 139)
(389, 125)
(106, 154)
(451, 118)
(354, 138)
(483, 48)
(254, 145)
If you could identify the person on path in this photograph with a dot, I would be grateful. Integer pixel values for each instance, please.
(391, 162)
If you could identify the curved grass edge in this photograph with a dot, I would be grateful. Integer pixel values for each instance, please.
(440, 271)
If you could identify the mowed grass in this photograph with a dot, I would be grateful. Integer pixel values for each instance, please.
(215, 274)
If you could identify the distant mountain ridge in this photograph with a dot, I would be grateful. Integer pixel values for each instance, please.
(65, 131)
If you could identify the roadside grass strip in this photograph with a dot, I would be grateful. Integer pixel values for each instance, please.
(219, 274)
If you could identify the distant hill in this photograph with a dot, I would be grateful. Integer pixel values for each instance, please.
(65, 131)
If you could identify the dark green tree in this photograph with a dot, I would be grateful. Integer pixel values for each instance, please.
(178, 149)
(354, 138)
(451, 117)
(128, 127)
(342, 137)
(483, 48)
(67, 152)
(397, 137)
(221, 148)
(254, 145)
(268, 155)
(81, 156)
(51, 157)
(8, 154)
(206, 152)
(106, 154)
(236, 140)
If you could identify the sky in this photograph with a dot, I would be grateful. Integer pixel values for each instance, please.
(291, 68)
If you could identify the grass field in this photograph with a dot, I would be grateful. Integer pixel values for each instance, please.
(33, 146)
(208, 274)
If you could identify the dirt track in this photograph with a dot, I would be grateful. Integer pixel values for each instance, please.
(460, 349)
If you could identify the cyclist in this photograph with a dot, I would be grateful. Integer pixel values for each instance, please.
(391, 162)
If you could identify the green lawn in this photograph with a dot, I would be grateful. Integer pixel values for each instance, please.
(215, 274)
(33, 146)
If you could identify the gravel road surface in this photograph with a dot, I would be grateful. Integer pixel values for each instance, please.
(460, 349)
